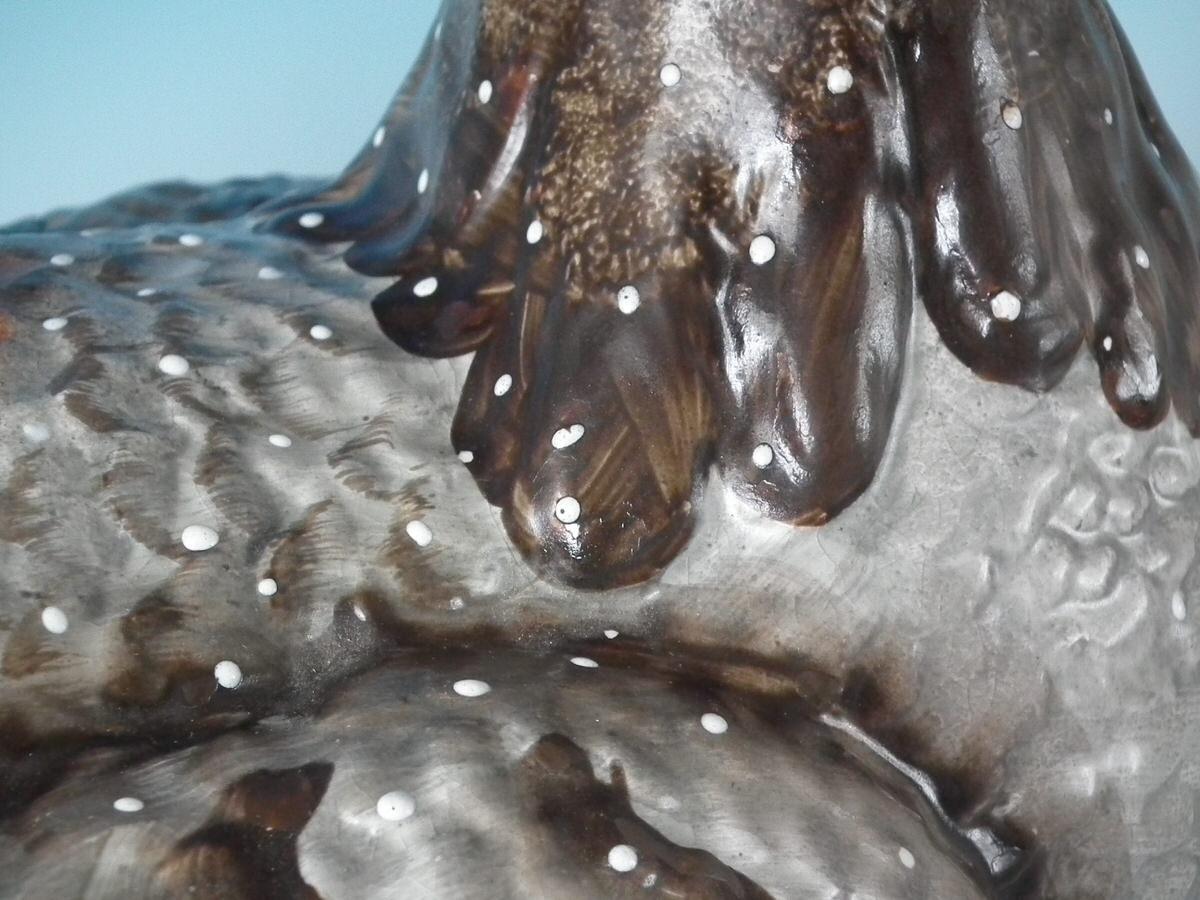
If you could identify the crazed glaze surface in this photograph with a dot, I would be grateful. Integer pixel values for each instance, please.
(769, 186)
(260, 635)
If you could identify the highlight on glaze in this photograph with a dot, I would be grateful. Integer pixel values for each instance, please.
(671, 247)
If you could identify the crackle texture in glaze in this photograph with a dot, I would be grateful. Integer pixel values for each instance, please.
(775, 183)
(261, 636)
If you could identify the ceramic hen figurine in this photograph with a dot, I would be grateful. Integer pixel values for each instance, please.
(289, 611)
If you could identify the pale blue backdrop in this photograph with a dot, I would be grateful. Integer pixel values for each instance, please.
(99, 95)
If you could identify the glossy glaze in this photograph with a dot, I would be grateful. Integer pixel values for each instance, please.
(1002, 160)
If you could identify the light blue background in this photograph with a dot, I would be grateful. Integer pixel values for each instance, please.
(100, 95)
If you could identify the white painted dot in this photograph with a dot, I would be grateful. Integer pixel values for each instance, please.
(377, 138)
(907, 858)
(174, 365)
(1107, 342)
(282, 441)
(268, 587)
(471, 687)
(1141, 257)
(54, 620)
(128, 805)
(191, 240)
(584, 662)
(419, 532)
(228, 674)
(426, 287)
(1178, 607)
(713, 723)
(320, 332)
(839, 80)
(623, 858)
(269, 273)
(1012, 115)
(628, 299)
(456, 603)
(58, 323)
(466, 456)
(1006, 306)
(503, 385)
(762, 250)
(566, 437)
(1109, 118)
(670, 75)
(199, 538)
(423, 181)
(312, 220)
(567, 510)
(535, 232)
(61, 259)
(147, 292)
(360, 613)
(763, 455)
(611, 633)
(35, 432)
(395, 806)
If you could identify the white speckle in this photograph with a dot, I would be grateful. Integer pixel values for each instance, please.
(763, 455)
(1109, 118)
(762, 250)
(426, 287)
(839, 80)
(311, 220)
(423, 181)
(470, 687)
(565, 437)
(713, 723)
(377, 138)
(1012, 115)
(567, 510)
(54, 620)
(611, 633)
(503, 385)
(174, 365)
(1107, 343)
(535, 232)
(147, 292)
(584, 662)
(1141, 257)
(628, 299)
(35, 432)
(623, 858)
(268, 587)
(395, 806)
(191, 240)
(282, 441)
(907, 858)
(456, 603)
(466, 456)
(360, 613)
(670, 75)
(650, 880)
(419, 532)
(269, 273)
(485, 91)
(199, 538)
(128, 805)
(58, 323)
(1178, 607)
(228, 674)
(1006, 306)
(61, 259)
(320, 332)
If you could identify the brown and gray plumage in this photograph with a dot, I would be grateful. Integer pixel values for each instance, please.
(980, 679)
